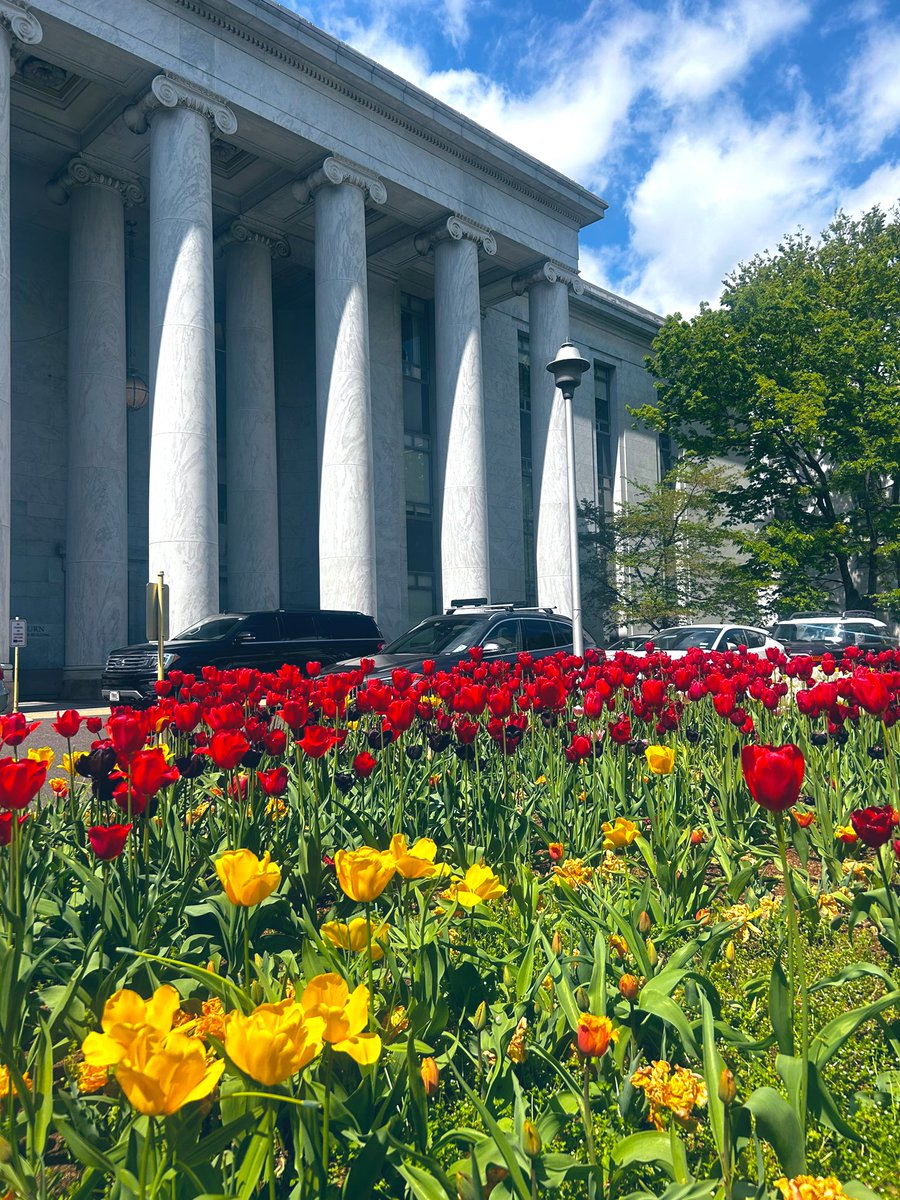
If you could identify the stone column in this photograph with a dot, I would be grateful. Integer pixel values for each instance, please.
(250, 449)
(17, 23)
(461, 471)
(97, 506)
(548, 324)
(347, 574)
(183, 520)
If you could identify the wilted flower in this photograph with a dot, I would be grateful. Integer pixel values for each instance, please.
(574, 872)
(517, 1050)
(811, 1187)
(677, 1090)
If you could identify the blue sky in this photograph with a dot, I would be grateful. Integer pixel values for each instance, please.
(712, 129)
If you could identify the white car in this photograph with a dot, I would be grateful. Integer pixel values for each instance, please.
(680, 638)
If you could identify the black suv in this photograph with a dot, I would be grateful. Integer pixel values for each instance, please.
(501, 630)
(263, 640)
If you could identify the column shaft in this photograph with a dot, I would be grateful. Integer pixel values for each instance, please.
(461, 468)
(5, 334)
(97, 517)
(252, 464)
(183, 523)
(347, 577)
(548, 321)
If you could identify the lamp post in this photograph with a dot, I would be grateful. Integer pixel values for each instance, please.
(567, 369)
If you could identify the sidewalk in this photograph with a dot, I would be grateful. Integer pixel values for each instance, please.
(41, 710)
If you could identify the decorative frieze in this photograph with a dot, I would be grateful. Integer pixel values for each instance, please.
(168, 91)
(244, 231)
(20, 22)
(332, 173)
(457, 228)
(81, 172)
(548, 272)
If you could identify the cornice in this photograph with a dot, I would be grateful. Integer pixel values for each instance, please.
(82, 172)
(20, 22)
(270, 48)
(456, 228)
(335, 171)
(168, 91)
(241, 231)
(548, 272)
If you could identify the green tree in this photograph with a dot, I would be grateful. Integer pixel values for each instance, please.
(665, 557)
(797, 375)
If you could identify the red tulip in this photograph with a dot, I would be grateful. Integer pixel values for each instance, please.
(20, 781)
(274, 782)
(68, 723)
(14, 729)
(874, 826)
(150, 772)
(94, 724)
(6, 825)
(275, 742)
(128, 734)
(870, 692)
(186, 717)
(108, 841)
(227, 748)
(317, 740)
(774, 774)
(364, 764)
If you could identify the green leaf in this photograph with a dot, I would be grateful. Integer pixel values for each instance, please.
(422, 1185)
(367, 1167)
(652, 1147)
(780, 1006)
(776, 1122)
(834, 1035)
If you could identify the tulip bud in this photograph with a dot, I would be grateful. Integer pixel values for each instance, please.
(729, 952)
(431, 1076)
(531, 1139)
(582, 999)
(478, 1019)
(509, 980)
(556, 944)
(5, 1150)
(644, 923)
(652, 956)
(727, 1089)
(630, 987)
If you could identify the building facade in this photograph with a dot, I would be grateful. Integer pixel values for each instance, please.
(275, 322)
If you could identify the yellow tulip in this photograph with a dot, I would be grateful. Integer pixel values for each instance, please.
(163, 1072)
(353, 936)
(415, 863)
(69, 760)
(478, 885)
(344, 1015)
(42, 754)
(364, 874)
(247, 880)
(660, 759)
(274, 1042)
(125, 1016)
(618, 834)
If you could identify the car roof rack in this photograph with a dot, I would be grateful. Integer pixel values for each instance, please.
(805, 616)
(859, 612)
(507, 606)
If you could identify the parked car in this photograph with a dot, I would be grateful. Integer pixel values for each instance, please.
(821, 633)
(4, 689)
(264, 640)
(502, 631)
(677, 640)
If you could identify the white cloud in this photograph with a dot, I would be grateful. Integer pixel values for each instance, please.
(872, 94)
(882, 187)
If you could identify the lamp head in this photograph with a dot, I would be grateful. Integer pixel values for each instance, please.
(567, 369)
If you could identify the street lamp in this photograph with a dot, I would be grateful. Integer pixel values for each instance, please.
(567, 369)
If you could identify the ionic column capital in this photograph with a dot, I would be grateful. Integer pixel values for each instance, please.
(18, 19)
(332, 173)
(168, 91)
(547, 272)
(456, 228)
(241, 231)
(81, 172)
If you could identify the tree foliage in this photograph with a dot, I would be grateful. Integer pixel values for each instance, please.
(664, 557)
(797, 375)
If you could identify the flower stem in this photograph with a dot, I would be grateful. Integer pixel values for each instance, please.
(797, 978)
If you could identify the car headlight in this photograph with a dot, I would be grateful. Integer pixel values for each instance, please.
(169, 660)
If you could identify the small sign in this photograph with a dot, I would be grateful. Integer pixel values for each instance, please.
(153, 612)
(18, 633)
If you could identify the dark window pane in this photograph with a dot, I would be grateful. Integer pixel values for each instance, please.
(346, 625)
(298, 625)
(419, 546)
(418, 480)
(505, 637)
(536, 634)
(562, 633)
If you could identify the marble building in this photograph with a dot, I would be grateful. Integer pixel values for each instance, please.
(274, 321)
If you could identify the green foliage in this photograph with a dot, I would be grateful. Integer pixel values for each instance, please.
(797, 375)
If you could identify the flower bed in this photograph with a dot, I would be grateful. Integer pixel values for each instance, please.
(611, 928)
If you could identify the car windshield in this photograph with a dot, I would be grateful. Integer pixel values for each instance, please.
(446, 635)
(208, 629)
(700, 636)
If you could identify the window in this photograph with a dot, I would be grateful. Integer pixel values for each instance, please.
(527, 472)
(606, 459)
(298, 625)
(415, 333)
(667, 455)
(343, 625)
(562, 633)
(504, 638)
(537, 634)
(263, 626)
(753, 639)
